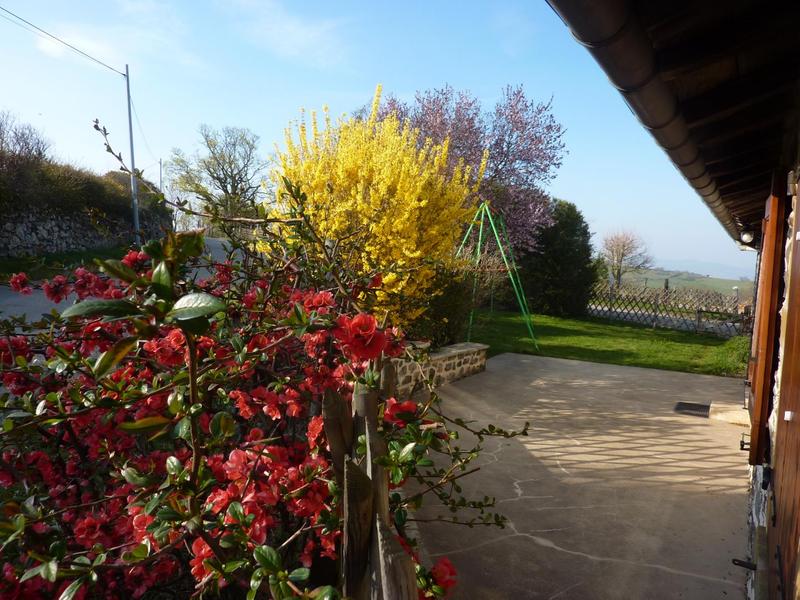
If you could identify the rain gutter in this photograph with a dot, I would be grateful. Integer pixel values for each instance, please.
(622, 48)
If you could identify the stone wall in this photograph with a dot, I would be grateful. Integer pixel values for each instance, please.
(441, 366)
(44, 231)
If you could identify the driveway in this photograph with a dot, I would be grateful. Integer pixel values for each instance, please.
(613, 495)
(36, 304)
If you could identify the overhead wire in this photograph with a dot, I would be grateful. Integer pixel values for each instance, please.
(30, 27)
(60, 41)
(141, 131)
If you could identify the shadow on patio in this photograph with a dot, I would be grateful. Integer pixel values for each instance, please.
(612, 495)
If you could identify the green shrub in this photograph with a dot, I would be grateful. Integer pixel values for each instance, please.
(558, 276)
(445, 320)
(46, 184)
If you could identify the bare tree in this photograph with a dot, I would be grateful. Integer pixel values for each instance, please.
(624, 251)
(20, 141)
(226, 176)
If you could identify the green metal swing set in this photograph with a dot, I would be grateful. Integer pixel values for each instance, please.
(483, 216)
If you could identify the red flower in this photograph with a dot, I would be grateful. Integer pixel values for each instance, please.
(19, 283)
(363, 325)
(57, 289)
(445, 574)
(87, 531)
(88, 284)
(269, 400)
(224, 272)
(136, 260)
(315, 426)
(200, 551)
(13, 347)
(167, 350)
(399, 413)
(319, 301)
(246, 408)
(361, 336)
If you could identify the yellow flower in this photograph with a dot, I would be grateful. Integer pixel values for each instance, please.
(388, 197)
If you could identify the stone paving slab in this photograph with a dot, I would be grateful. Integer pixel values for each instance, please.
(613, 495)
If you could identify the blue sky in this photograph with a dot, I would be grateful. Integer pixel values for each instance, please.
(254, 63)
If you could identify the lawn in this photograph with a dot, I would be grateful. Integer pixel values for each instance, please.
(41, 267)
(602, 341)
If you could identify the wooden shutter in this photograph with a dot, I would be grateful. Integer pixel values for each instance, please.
(765, 326)
(785, 535)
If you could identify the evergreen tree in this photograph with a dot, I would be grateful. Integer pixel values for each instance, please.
(558, 276)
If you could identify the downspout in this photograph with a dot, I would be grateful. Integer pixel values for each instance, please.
(621, 47)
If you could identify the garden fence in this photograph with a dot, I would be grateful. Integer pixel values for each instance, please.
(374, 565)
(687, 309)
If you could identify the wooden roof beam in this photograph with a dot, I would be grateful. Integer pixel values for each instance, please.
(727, 35)
(729, 98)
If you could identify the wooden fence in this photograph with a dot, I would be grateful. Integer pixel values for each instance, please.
(687, 309)
(374, 565)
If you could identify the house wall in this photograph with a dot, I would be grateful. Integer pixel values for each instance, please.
(774, 506)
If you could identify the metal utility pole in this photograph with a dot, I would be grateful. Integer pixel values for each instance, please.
(134, 181)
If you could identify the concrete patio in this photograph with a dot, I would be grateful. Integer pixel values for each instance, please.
(613, 495)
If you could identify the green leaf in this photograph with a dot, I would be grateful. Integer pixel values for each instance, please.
(232, 565)
(162, 280)
(327, 592)
(31, 573)
(153, 503)
(50, 570)
(268, 558)
(69, 593)
(407, 452)
(106, 308)
(255, 583)
(400, 516)
(236, 511)
(144, 424)
(190, 244)
(222, 425)
(196, 326)
(109, 359)
(196, 305)
(183, 429)
(118, 269)
(168, 514)
(133, 477)
(153, 249)
(175, 401)
(300, 575)
(136, 554)
(173, 465)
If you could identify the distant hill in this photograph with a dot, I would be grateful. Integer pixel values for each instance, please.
(654, 278)
(715, 269)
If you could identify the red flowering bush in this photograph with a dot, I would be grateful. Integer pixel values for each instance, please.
(167, 433)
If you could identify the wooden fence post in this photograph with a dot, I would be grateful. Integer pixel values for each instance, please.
(374, 565)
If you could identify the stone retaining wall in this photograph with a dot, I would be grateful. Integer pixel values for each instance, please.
(442, 366)
(37, 232)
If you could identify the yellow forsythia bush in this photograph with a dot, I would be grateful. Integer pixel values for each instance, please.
(388, 198)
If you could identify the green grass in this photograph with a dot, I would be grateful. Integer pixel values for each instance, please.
(41, 267)
(654, 278)
(601, 341)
